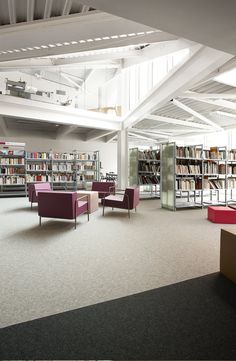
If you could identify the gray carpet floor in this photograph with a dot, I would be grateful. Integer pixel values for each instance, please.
(54, 268)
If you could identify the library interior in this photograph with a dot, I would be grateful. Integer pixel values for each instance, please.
(117, 180)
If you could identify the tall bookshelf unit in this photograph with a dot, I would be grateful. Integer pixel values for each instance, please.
(144, 170)
(193, 176)
(87, 167)
(12, 170)
(63, 171)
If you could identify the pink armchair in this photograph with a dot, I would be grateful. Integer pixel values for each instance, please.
(103, 188)
(33, 190)
(64, 205)
(129, 200)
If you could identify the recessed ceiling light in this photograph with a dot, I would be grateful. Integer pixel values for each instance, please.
(66, 43)
(23, 49)
(51, 45)
(97, 39)
(123, 36)
(16, 50)
(36, 47)
(89, 40)
(82, 41)
(131, 34)
(114, 37)
(44, 46)
(58, 44)
(74, 42)
(150, 32)
(106, 37)
(30, 48)
(10, 51)
(4, 52)
(141, 33)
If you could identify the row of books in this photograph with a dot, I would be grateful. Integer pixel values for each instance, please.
(149, 154)
(188, 169)
(12, 170)
(38, 167)
(86, 166)
(6, 152)
(148, 179)
(12, 161)
(64, 156)
(185, 184)
(86, 156)
(149, 167)
(38, 178)
(231, 169)
(189, 152)
(192, 184)
(62, 167)
(215, 153)
(37, 155)
(12, 180)
(232, 154)
(231, 183)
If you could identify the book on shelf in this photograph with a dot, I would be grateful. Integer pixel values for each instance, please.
(38, 155)
(189, 151)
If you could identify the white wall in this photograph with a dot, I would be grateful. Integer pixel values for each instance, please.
(108, 151)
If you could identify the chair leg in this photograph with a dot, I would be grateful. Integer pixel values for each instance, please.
(88, 216)
(31, 205)
(75, 222)
(129, 212)
(40, 222)
(103, 209)
(135, 209)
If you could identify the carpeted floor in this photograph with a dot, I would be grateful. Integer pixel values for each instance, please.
(190, 320)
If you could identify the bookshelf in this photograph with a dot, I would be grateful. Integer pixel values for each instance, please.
(87, 166)
(63, 171)
(144, 170)
(194, 176)
(12, 169)
(38, 167)
(214, 187)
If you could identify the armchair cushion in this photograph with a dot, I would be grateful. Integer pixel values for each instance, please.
(129, 200)
(34, 188)
(103, 188)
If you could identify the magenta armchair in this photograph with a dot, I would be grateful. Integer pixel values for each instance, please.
(35, 188)
(129, 200)
(103, 188)
(64, 205)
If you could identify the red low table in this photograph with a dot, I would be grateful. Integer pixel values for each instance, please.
(220, 214)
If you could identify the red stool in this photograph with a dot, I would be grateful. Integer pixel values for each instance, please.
(220, 214)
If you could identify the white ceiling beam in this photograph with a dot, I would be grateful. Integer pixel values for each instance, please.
(30, 10)
(47, 9)
(110, 137)
(152, 131)
(141, 136)
(66, 7)
(225, 114)
(194, 95)
(64, 130)
(12, 11)
(151, 134)
(196, 114)
(68, 31)
(174, 121)
(96, 134)
(56, 114)
(219, 103)
(68, 78)
(156, 50)
(201, 62)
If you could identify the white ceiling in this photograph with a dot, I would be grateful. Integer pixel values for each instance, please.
(40, 34)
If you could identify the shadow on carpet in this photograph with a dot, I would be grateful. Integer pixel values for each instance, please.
(190, 320)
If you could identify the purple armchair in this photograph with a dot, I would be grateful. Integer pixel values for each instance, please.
(103, 188)
(64, 205)
(33, 190)
(129, 200)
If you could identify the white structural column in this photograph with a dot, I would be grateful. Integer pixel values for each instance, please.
(122, 159)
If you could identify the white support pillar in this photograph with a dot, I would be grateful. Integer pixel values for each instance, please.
(122, 159)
